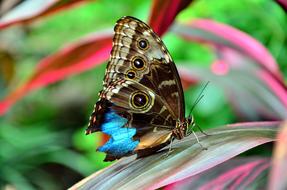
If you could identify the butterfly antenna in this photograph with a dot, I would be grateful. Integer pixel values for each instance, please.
(200, 96)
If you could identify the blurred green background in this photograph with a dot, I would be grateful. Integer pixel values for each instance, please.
(42, 138)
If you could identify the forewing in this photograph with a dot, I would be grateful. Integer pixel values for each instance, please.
(158, 72)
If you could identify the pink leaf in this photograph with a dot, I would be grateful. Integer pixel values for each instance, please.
(30, 10)
(283, 4)
(240, 53)
(164, 12)
(239, 173)
(277, 86)
(279, 163)
(251, 97)
(231, 59)
(73, 59)
(222, 35)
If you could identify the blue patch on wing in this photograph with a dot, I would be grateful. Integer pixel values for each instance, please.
(121, 142)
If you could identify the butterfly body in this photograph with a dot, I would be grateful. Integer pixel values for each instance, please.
(141, 106)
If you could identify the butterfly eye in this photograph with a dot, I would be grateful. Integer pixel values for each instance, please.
(143, 44)
(131, 74)
(138, 63)
(139, 100)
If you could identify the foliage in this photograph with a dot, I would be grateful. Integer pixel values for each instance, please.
(187, 158)
(244, 65)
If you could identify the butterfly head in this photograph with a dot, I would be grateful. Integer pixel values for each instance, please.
(182, 127)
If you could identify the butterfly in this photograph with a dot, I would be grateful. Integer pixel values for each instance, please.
(141, 106)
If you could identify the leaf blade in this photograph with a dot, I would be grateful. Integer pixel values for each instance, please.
(72, 59)
(216, 33)
(164, 12)
(238, 52)
(186, 160)
(237, 173)
(30, 10)
(279, 163)
(263, 101)
(283, 4)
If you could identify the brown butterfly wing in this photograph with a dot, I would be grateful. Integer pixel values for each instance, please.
(139, 63)
(151, 118)
(158, 73)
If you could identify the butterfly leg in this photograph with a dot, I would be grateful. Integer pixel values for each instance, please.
(201, 130)
(197, 139)
(204, 148)
(169, 149)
